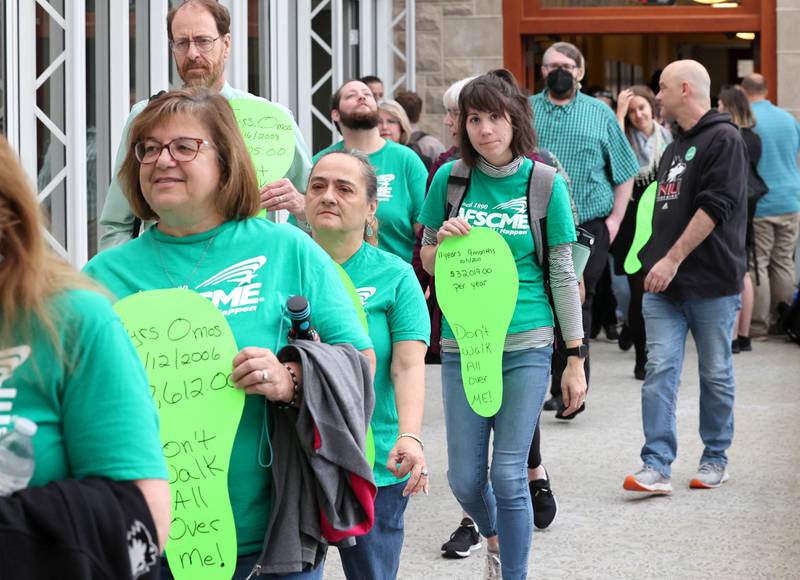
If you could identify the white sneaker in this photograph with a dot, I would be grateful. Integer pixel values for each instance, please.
(648, 480)
(493, 566)
(709, 476)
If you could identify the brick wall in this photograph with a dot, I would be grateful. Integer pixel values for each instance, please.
(455, 39)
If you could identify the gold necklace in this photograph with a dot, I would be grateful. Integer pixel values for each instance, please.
(194, 269)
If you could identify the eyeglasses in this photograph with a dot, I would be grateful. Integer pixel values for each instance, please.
(182, 149)
(203, 44)
(453, 113)
(561, 65)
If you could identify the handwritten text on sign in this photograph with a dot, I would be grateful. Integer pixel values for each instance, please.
(476, 285)
(268, 133)
(186, 347)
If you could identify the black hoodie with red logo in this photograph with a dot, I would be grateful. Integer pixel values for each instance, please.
(704, 168)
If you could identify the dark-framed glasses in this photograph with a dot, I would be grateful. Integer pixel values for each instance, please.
(562, 65)
(202, 43)
(181, 149)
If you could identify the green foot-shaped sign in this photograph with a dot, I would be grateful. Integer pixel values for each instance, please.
(476, 285)
(187, 348)
(644, 228)
(369, 451)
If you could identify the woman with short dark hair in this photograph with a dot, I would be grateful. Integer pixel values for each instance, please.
(495, 134)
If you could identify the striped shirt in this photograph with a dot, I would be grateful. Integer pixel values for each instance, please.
(585, 136)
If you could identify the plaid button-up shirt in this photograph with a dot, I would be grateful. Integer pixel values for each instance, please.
(585, 137)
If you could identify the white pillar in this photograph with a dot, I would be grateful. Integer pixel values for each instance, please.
(119, 77)
(26, 122)
(75, 80)
(236, 67)
(12, 80)
(160, 54)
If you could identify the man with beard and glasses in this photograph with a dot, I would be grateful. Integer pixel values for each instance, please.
(200, 39)
(401, 174)
(583, 134)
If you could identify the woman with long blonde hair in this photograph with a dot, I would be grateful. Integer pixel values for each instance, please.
(69, 364)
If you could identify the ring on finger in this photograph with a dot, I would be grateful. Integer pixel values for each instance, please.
(264, 375)
(423, 473)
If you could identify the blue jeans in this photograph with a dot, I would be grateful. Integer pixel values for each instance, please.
(376, 556)
(621, 290)
(245, 565)
(503, 507)
(667, 323)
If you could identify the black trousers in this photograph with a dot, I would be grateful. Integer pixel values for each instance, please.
(591, 276)
(635, 317)
(535, 452)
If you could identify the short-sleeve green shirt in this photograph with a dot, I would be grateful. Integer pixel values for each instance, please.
(89, 395)
(248, 271)
(396, 311)
(585, 137)
(502, 205)
(401, 188)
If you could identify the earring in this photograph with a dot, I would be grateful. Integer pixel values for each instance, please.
(370, 231)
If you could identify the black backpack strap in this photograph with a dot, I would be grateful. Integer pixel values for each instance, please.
(457, 186)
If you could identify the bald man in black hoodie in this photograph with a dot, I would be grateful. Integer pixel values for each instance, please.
(694, 264)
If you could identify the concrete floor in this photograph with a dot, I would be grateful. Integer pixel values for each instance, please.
(749, 528)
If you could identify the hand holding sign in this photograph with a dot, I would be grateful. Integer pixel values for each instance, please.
(187, 347)
(268, 132)
(477, 285)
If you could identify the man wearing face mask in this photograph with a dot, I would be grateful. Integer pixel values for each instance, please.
(583, 133)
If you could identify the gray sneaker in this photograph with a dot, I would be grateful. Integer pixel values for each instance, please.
(648, 480)
(709, 476)
(494, 570)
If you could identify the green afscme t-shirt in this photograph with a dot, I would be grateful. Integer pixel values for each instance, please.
(502, 205)
(396, 311)
(88, 395)
(401, 190)
(248, 269)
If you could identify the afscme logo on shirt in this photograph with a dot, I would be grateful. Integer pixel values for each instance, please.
(385, 186)
(365, 294)
(245, 296)
(10, 359)
(512, 224)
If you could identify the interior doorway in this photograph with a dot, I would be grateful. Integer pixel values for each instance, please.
(617, 61)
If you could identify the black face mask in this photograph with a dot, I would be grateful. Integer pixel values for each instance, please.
(560, 82)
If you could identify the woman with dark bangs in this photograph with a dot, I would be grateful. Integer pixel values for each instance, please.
(495, 133)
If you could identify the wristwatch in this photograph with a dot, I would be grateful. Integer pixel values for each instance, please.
(581, 351)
